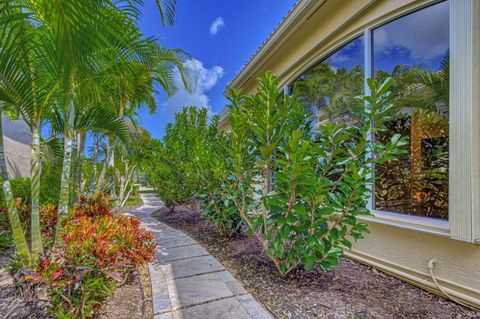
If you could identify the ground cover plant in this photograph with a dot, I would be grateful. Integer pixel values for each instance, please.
(298, 187)
(102, 249)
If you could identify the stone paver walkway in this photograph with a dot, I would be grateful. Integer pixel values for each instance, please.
(188, 282)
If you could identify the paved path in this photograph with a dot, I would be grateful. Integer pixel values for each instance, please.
(188, 282)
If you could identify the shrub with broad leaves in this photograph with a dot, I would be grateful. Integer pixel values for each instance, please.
(309, 185)
(101, 248)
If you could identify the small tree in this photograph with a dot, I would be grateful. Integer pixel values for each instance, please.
(176, 173)
(310, 186)
(215, 189)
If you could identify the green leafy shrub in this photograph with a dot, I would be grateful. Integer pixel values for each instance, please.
(309, 186)
(214, 186)
(299, 189)
(176, 167)
(21, 189)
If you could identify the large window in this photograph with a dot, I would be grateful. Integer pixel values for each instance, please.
(328, 88)
(414, 50)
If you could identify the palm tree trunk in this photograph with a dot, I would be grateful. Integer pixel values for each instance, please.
(78, 176)
(123, 185)
(3, 162)
(17, 231)
(36, 236)
(94, 161)
(111, 163)
(67, 163)
(103, 172)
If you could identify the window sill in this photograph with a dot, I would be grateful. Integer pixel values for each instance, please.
(422, 224)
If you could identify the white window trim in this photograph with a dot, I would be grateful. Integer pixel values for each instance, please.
(417, 223)
(464, 171)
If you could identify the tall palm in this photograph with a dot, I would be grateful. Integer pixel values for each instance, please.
(15, 222)
(132, 83)
(28, 83)
(49, 49)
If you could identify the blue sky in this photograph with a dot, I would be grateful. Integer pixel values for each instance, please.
(220, 36)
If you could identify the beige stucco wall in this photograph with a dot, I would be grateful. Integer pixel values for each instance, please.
(402, 252)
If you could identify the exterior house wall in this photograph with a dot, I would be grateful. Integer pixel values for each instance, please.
(404, 249)
(16, 138)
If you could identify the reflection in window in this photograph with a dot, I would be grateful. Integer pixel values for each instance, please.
(328, 89)
(414, 51)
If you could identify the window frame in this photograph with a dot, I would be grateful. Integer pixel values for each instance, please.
(464, 192)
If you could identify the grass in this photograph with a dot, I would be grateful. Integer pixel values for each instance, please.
(134, 201)
(130, 201)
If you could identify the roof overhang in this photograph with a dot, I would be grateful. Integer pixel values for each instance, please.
(302, 10)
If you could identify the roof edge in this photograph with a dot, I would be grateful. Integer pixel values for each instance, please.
(301, 9)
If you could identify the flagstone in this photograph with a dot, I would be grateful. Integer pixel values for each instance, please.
(188, 282)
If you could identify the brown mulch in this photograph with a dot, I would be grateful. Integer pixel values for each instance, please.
(132, 300)
(13, 303)
(351, 291)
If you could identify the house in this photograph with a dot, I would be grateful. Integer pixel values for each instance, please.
(16, 139)
(426, 207)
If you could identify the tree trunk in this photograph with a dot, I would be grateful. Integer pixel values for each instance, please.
(67, 162)
(94, 162)
(17, 231)
(3, 162)
(103, 172)
(36, 236)
(111, 163)
(122, 184)
(78, 176)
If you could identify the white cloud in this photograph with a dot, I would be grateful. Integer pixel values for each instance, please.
(202, 80)
(338, 57)
(421, 35)
(216, 25)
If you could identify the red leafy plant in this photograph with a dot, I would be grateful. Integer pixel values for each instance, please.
(48, 223)
(98, 205)
(99, 252)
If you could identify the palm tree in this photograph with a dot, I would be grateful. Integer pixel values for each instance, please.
(15, 222)
(50, 48)
(132, 83)
(329, 92)
(29, 84)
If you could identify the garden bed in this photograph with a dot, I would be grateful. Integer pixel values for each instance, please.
(12, 304)
(351, 290)
(132, 300)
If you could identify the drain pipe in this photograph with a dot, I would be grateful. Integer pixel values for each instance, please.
(431, 266)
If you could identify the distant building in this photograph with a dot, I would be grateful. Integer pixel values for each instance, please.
(17, 139)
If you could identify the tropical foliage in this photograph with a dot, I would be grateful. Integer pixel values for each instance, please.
(101, 249)
(77, 72)
(298, 189)
(76, 67)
